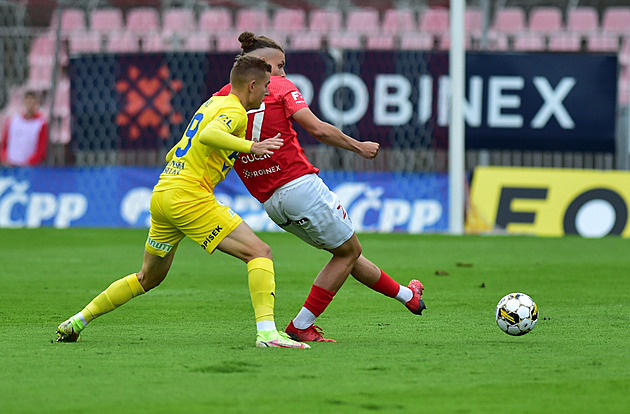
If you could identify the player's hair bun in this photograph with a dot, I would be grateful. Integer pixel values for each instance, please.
(247, 40)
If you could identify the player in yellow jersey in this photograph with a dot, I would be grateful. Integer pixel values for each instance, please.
(183, 204)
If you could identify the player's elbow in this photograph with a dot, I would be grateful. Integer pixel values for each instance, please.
(319, 130)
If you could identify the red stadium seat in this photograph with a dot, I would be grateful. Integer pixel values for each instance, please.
(252, 20)
(324, 21)
(160, 42)
(197, 42)
(289, 20)
(602, 42)
(88, 42)
(473, 21)
(565, 42)
(445, 42)
(215, 20)
(177, 19)
(122, 42)
(380, 42)
(106, 20)
(306, 41)
(143, 19)
(399, 21)
(228, 42)
(509, 20)
(416, 41)
(545, 20)
(434, 21)
(364, 20)
(61, 106)
(72, 20)
(583, 20)
(616, 20)
(498, 41)
(529, 42)
(344, 40)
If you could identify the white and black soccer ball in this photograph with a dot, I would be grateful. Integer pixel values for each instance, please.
(516, 314)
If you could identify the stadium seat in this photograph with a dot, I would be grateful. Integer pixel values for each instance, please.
(545, 20)
(197, 42)
(434, 21)
(473, 21)
(122, 42)
(177, 19)
(60, 132)
(498, 41)
(40, 75)
(324, 21)
(602, 42)
(509, 20)
(215, 20)
(106, 20)
(42, 49)
(143, 19)
(380, 41)
(583, 20)
(565, 42)
(624, 53)
(616, 20)
(529, 42)
(162, 42)
(344, 40)
(227, 42)
(365, 20)
(399, 21)
(88, 42)
(61, 105)
(289, 20)
(416, 41)
(253, 20)
(72, 20)
(306, 41)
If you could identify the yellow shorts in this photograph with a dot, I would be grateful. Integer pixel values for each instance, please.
(177, 213)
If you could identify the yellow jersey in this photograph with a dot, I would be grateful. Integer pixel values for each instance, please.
(196, 166)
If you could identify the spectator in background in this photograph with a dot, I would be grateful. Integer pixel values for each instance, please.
(25, 136)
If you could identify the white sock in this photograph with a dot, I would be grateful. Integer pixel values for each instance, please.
(266, 326)
(304, 319)
(80, 317)
(404, 294)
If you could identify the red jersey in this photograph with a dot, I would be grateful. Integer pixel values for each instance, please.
(263, 174)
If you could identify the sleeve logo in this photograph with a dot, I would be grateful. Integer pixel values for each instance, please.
(226, 120)
(297, 97)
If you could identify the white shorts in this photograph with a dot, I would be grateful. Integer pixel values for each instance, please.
(307, 208)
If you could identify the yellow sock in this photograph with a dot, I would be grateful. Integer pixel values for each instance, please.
(262, 286)
(118, 293)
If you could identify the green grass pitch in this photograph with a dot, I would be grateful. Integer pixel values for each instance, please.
(188, 346)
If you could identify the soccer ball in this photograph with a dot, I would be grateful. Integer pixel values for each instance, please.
(516, 314)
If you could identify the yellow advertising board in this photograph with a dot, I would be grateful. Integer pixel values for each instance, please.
(549, 202)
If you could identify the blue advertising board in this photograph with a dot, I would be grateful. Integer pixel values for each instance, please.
(529, 101)
(120, 197)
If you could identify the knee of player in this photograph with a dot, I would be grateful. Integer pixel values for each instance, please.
(148, 281)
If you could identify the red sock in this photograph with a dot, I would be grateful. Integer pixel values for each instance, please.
(386, 285)
(318, 300)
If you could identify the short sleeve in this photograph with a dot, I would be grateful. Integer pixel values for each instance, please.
(292, 98)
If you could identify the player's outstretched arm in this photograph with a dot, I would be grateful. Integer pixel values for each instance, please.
(333, 136)
(266, 146)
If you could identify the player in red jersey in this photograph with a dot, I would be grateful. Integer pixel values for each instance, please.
(298, 201)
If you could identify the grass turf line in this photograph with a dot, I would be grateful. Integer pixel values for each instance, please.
(188, 346)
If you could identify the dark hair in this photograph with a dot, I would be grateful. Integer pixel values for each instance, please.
(251, 42)
(247, 68)
(32, 94)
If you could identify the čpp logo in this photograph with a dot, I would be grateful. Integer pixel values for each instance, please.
(21, 208)
(135, 207)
